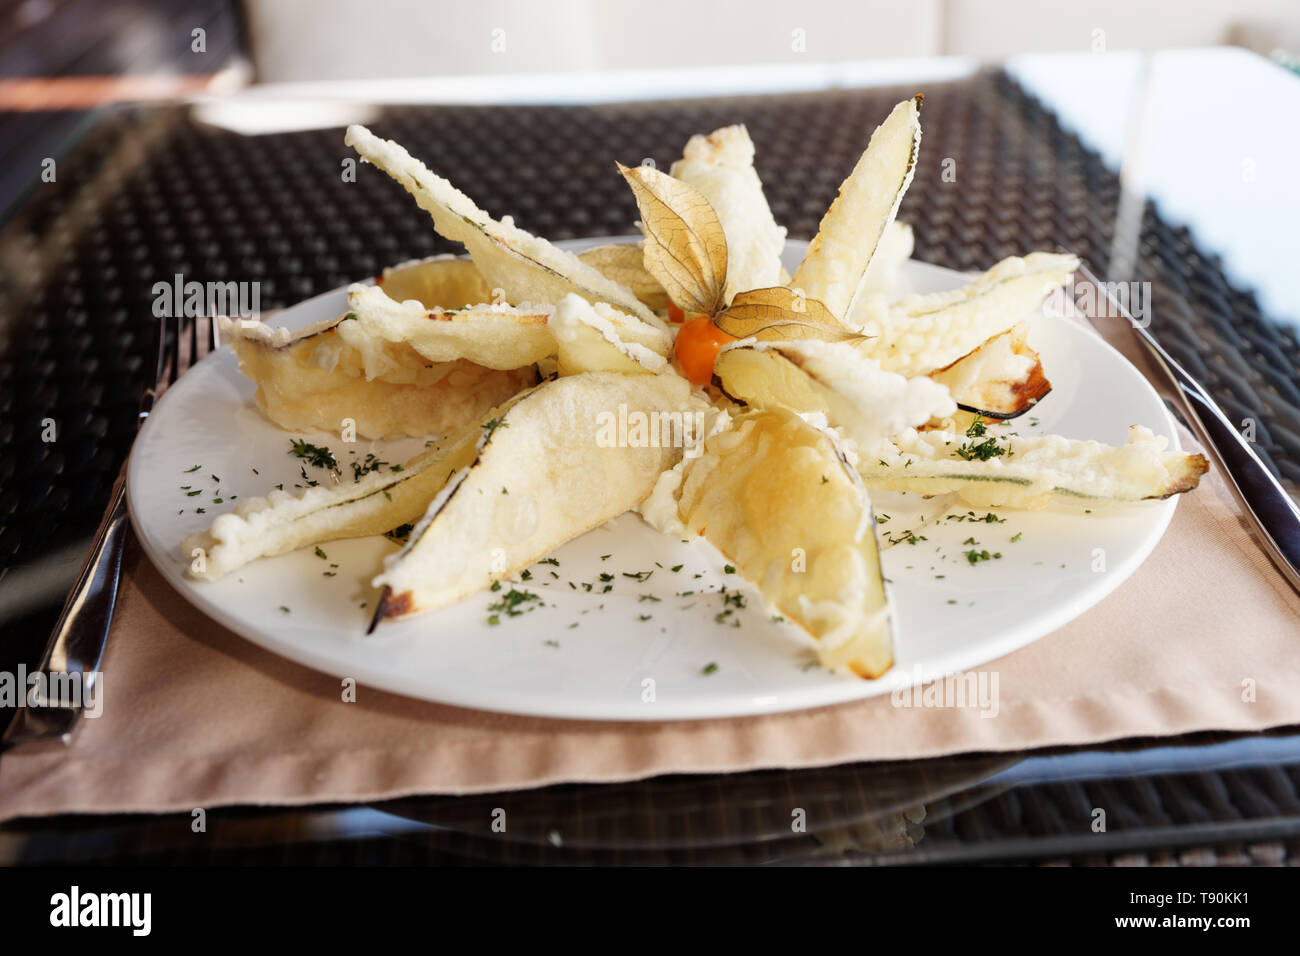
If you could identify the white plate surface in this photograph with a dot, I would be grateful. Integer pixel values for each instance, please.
(591, 655)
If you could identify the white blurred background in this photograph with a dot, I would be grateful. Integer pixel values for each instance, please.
(297, 40)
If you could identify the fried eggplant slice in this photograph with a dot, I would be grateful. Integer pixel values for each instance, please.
(282, 522)
(721, 167)
(1001, 379)
(834, 379)
(325, 374)
(920, 334)
(494, 336)
(547, 469)
(988, 467)
(526, 267)
(439, 282)
(599, 338)
(777, 496)
(833, 268)
(884, 273)
(624, 263)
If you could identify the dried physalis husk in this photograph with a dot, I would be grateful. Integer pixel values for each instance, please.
(782, 314)
(685, 248)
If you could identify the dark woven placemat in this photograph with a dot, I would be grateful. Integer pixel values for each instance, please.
(148, 194)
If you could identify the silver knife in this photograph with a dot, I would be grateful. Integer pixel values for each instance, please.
(1271, 510)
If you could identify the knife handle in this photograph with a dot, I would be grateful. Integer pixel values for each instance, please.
(1275, 513)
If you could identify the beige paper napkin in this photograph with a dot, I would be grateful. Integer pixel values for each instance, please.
(1206, 635)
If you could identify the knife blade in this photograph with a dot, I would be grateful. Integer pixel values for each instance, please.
(1271, 511)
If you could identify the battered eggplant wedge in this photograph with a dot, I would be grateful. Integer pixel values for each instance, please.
(624, 263)
(987, 467)
(834, 379)
(837, 260)
(545, 470)
(599, 338)
(494, 336)
(721, 166)
(884, 273)
(332, 372)
(282, 522)
(778, 497)
(1002, 379)
(526, 267)
(438, 282)
(920, 334)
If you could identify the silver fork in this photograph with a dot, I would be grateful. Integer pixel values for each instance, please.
(76, 644)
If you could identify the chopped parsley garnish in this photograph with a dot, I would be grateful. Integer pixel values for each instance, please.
(732, 601)
(728, 569)
(492, 425)
(372, 463)
(975, 557)
(321, 554)
(513, 604)
(980, 451)
(676, 567)
(640, 577)
(189, 471)
(709, 668)
(903, 537)
(314, 455)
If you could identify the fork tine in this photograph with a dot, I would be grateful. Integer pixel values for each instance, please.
(183, 349)
(160, 352)
(174, 348)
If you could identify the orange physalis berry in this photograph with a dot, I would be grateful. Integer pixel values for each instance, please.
(698, 343)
